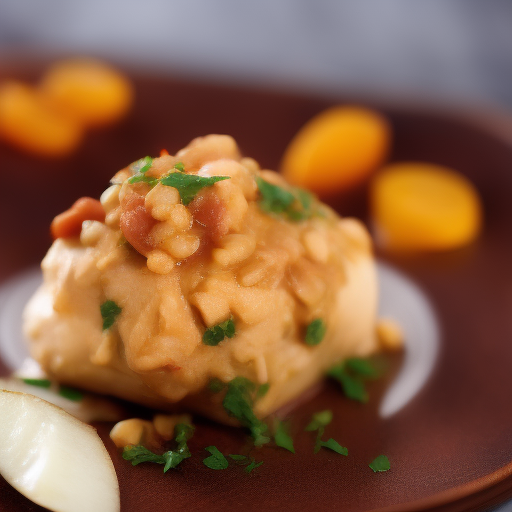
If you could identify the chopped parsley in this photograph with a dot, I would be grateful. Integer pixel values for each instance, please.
(179, 166)
(380, 463)
(109, 312)
(41, 383)
(71, 393)
(140, 167)
(351, 374)
(238, 402)
(331, 444)
(243, 460)
(216, 460)
(296, 204)
(315, 332)
(282, 438)
(214, 335)
(171, 458)
(253, 465)
(188, 185)
(237, 458)
(262, 390)
(319, 420)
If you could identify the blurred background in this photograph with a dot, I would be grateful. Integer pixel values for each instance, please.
(454, 50)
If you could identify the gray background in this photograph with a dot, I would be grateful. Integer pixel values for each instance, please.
(454, 51)
(457, 50)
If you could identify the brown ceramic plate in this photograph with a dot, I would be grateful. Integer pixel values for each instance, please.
(450, 447)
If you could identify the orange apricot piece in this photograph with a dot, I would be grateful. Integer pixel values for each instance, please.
(90, 91)
(68, 224)
(424, 207)
(337, 149)
(28, 122)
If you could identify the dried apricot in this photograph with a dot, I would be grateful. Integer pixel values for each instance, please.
(337, 149)
(91, 92)
(418, 206)
(28, 122)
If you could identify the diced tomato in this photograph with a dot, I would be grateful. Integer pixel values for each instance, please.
(69, 223)
(136, 223)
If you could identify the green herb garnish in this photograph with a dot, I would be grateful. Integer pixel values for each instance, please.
(140, 167)
(282, 438)
(351, 374)
(216, 460)
(214, 335)
(319, 420)
(188, 185)
(142, 178)
(109, 312)
(41, 383)
(253, 465)
(238, 402)
(262, 390)
(179, 166)
(380, 463)
(315, 332)
(237, 458)
(71, 393)
(331, 444)
(171, 458)
(243, 460)
(274, 199)
(296, 204)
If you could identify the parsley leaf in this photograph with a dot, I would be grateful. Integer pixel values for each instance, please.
(171, 458)
(362, 367)
(140, 167)
(214, 335)
(296, 204)
(380, 463)
(179, 166)
(262, 390)
(70, 393)
(237, 458)
(315, 332)
(253, 465)
(351, 374)
(274, 199)
(143, 165)
(137, 454)
(41, 383)
(188, 185)
(238, 402)
(283, 438)
(216, 460)
(333, 445)
(142, 178)
(319, 420)
(109, 312)
(243, 460)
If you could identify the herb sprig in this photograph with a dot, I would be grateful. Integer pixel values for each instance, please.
(380, 464)
(109, 312)
(352, 374)
(238, 402)
(170, 459)
(319, 421)
(295, 204)
(214, 335)
(315, 332)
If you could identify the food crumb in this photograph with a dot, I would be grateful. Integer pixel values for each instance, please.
(390, 334)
